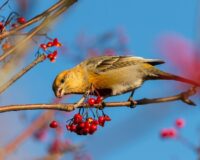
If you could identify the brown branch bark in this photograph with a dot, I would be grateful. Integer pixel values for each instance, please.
(21, 73)
(34, 31)
(68, 107)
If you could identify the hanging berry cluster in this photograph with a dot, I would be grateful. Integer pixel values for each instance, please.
(6, 24)
(83, 125)
(12, 21)
(173, 132)
(87, 120)
(48, 47)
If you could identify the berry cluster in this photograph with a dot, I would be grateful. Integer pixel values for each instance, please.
(6, 24)
(93, 101)
(85, 126)
(172, 132)
(11, 22)
(46, 47)
(83, 123)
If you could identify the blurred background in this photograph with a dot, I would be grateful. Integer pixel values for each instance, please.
(167, 30)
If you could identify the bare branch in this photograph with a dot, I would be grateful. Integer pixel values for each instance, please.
(68, 107)
(21, 73)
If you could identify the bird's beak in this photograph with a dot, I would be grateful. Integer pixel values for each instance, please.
(59, 93)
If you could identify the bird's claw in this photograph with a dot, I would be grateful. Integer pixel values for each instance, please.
(103, 105)
(132, 102)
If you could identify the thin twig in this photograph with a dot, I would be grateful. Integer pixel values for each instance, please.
(21, 73)
(3, 5)
(68, 107)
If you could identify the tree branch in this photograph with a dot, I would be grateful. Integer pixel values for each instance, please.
(68, 107)
(34, 31)
(21, 73)
(34, 19)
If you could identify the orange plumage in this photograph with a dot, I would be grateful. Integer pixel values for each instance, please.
(110, 75)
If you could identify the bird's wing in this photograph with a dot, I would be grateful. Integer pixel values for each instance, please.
(106, 63)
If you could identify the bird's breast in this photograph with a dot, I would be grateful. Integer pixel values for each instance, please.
(116, 82)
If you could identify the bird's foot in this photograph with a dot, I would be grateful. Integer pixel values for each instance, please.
(103, 105)
(133, 103)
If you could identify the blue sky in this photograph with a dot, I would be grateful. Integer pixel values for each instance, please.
(132, 134)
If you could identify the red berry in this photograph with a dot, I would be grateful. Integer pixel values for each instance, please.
(77, 118)
(21, 20)
(99, 100)
(55, 53)
(172, 133)
(164, 133)
(93, 128)
(87, 124)
(86, 130)
(53, 124)
(52, 59)
(73, 127)
(95, 122)
(81, 125)
(49, 44)
(68, 127)
(43, 46)
(107, 118)
(56, 43)
(91, 101)
(180, 123)
(79, 132)
(168, 133)
(52, 56)
(101, 121)
(1, 26)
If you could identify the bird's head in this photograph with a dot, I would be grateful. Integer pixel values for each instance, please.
(69, 82)
(61, 84)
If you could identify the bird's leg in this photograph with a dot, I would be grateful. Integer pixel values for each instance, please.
(92, 89)
(103, 105)
(131, 100)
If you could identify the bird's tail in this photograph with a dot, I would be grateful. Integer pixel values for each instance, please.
(168, 76)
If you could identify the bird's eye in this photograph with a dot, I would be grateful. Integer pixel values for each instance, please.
(62, 80)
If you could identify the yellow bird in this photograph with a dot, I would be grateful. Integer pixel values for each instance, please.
(111, 75)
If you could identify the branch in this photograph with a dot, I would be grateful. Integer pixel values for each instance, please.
(34, 19)
(45, 22)
(68, 107)
(21, 73)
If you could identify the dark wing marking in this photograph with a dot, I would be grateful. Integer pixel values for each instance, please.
(106, 63)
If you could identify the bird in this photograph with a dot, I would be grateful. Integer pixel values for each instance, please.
(111, 76)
